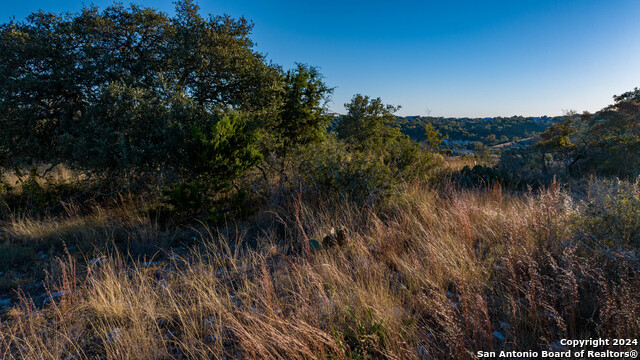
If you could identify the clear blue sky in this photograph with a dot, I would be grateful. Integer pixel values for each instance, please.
(449, 58)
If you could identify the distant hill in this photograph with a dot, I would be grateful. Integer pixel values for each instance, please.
(465, 132)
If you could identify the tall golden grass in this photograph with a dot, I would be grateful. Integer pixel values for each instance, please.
(436, 275)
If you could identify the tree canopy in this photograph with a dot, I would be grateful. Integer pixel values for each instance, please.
(610, 144)
(123, 89)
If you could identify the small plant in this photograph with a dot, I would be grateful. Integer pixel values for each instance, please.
(365, 337)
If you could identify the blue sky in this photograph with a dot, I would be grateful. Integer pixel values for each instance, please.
(444, 58)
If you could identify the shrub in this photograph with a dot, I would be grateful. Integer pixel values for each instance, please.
(361, 177)
(524, 167)
(609, 222)
(479, 175)
(35, 194)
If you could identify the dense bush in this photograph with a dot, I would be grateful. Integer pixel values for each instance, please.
(329, 168)
(367, 159)
(478, 175)
(521, 168)
(609, 220)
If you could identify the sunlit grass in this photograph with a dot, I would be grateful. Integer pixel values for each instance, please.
(437, 275)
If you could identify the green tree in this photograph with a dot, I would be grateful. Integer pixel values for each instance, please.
(40, 95)
(367, 130)
(610, 144)
(556, 137)
(220, 153)
(300, 120)
(433, 137)
(366, 124)
(303, 118)
(633, 95)
(118, 92)
(555, 144)
(216, 155)
(213, 61)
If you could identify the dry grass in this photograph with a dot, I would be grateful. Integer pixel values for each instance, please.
(456, 163)
(56, 174)
(442, 274)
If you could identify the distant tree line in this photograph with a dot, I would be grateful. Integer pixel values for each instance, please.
(489, 131)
